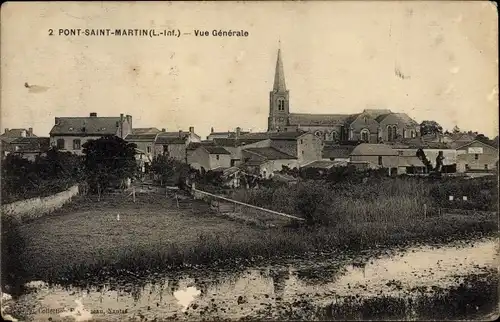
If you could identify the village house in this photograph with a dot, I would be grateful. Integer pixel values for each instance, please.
(370, 126)
(144, 139)
(70, 133)
(206, 157)
(373, 156)
(22, 142)
(225, 135)
(477, 156)
(265, 161)
(304, 146)
(175, 144)
(410, 163)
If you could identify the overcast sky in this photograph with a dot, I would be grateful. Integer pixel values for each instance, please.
(433, 60)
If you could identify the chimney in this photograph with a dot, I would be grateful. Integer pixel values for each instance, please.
(23, 133)
(121, 126)
(191, 129)
(238, 131)
(163, 130)
(180, 133)
(129, 120)
(6, 130)
(57, 121)
(93, 114)
(30, 132)
(212, 130)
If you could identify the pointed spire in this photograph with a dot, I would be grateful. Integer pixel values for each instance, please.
(279, 76)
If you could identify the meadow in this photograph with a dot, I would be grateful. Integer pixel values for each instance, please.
(86, 242)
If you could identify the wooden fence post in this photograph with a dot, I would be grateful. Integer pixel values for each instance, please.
(98, 192)
(177, 200)
(425, 211)
(133, 193)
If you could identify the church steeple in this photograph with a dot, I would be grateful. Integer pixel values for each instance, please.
(278, 99)
(279, 76)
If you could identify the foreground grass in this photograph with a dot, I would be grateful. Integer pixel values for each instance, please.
(85, 242)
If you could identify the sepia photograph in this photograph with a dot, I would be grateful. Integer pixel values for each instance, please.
(249, 160)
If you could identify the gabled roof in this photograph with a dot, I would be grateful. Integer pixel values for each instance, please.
(15, 133)
(145, 130)
(317, 119)
(325, 164)
(260, 136)
(374, 150)
(270, 153)
(141, 137)
(212, 149)
(196, 145)
(475, 141)
(375, 112)
(31, 144)
(92, 125)
(337, 151)
(403, 117)
(227, 142)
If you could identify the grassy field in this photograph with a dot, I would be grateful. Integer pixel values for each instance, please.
(86, 239)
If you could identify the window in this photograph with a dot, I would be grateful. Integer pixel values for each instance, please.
(217, 157)
(380, 160)
(148, 149)
(485, 167)
(301, 141)
(412, 134)
(364, 119)
(77, 144)
(60, 144)
(365, 135)
(318, 134)
(281, 104)
(467, 167)
(476, 156)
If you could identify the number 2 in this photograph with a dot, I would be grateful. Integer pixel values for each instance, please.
(51, 32)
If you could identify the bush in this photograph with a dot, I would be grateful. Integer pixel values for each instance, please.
(47, 175)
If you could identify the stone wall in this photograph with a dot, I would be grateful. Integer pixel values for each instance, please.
(37, 207)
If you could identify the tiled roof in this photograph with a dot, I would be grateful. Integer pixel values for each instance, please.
(212, 149)
(86, 126)
(317, 119)
(373, 149)
(376, 112)
(325, 164)
(337, 151)
(141, 137)
(196, 145)
(260, 136)
(31, 144)
(15, 133)
(170, 140)
(270, 153)
(227, 142)
(145, 130)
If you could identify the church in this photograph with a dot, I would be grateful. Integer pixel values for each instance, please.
(371, 125)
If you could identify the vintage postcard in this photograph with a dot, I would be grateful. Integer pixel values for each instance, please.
(260, 160)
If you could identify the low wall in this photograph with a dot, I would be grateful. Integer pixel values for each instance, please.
(36, 207)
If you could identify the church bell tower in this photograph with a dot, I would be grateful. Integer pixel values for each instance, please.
(278, 100)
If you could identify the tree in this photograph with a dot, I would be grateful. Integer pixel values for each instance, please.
(109, 160)
(169, 170)
(430, 127)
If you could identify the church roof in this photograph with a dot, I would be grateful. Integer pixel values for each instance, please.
(376, 112)
(279, 76)
(317, 119)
